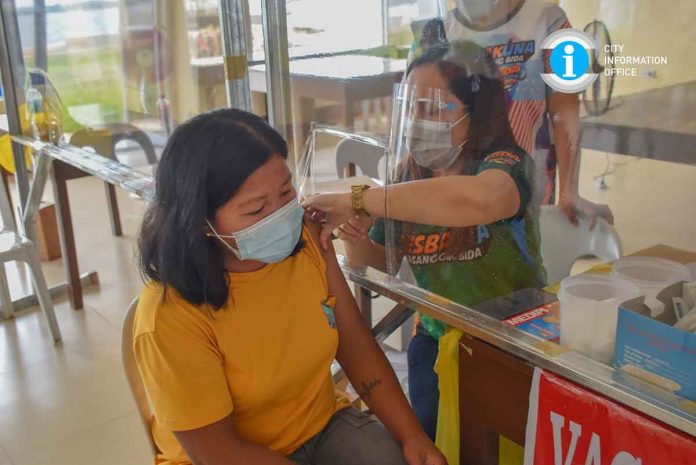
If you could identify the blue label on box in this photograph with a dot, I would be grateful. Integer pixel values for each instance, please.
(656, 352)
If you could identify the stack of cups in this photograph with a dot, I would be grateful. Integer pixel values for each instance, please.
(692, 270)
(589, 312)
(651, 275)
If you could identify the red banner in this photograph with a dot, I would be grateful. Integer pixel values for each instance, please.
(568, 425)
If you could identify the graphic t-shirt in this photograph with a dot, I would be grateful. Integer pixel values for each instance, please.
(478, 263)
(515, 46)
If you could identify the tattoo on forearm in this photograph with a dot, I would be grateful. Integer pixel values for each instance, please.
(366, 389)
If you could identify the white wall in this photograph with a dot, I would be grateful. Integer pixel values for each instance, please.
(645, 27)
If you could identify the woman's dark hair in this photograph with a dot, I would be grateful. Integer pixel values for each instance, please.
(473, 77)
(203, 165)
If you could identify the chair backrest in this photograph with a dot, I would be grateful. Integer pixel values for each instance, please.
(562, 243)
(366, 156)
(98, 139)
(124, 131)
(103, 140)
(133, 375)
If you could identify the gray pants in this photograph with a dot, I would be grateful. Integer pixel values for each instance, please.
(351, 438)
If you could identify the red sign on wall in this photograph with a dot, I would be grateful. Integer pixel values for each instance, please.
(568, 425)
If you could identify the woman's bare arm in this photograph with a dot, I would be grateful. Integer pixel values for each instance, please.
(365, 252)
(219, 444)
(456, 201)
(362, 359)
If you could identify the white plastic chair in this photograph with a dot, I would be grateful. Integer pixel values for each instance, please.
(17, 247)
(563, 243)
(135, 381)
(360, 154)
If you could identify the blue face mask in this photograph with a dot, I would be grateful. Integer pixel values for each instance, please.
(271, 239)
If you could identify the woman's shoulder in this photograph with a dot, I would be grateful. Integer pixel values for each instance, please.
(310, 234)
(163, 309)
(510, 156)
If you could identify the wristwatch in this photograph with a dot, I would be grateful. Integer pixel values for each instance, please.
(356, 198)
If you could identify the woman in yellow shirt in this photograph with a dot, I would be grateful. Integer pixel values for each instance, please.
(243, 314)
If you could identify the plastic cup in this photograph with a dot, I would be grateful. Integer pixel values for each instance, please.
(692, 270)
(651, 275)
(589, 310)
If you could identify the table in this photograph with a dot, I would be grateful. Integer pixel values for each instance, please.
(346, 79)
(656, 124)
(494, 388)
(493, 400)
(70, 163)
(497, 362)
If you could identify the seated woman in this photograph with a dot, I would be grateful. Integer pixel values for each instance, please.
(461, 202)
(243, 314)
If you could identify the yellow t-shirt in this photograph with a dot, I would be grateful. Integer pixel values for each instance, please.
(265, 358)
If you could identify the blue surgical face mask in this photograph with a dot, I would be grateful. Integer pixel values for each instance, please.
(269, 240)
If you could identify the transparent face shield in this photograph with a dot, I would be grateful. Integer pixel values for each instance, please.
(333, 160)
(428, 135)
(429, 126)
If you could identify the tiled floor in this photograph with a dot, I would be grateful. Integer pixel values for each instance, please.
(70, 405)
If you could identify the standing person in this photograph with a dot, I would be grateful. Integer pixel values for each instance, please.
(243, 314)
(546, 123)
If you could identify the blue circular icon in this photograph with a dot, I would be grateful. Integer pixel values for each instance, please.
(569, 60)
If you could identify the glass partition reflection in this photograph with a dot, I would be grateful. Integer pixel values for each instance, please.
(345, 58)
(124, 73)
(504, 176)
(546, 140)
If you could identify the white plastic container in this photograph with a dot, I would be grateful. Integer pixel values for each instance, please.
(692, 269)
(651, 275)
(589, 311)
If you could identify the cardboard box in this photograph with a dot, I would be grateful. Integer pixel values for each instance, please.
(653, 349)
(47, 232)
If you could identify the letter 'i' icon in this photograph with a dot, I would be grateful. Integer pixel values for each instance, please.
(568, 58)
(569, 61)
